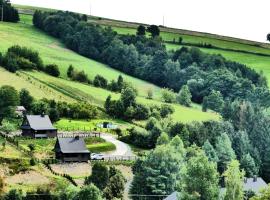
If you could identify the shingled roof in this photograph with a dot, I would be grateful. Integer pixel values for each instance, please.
(173, 196)
(39, 122)
(255, 184)
(72, 145)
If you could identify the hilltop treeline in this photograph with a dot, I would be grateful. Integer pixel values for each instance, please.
(147, 58)
(10, 13)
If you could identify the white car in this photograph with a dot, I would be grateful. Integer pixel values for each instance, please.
(97, 156)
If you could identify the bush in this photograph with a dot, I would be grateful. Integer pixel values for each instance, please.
(52, 70)
(27, 53)
(168, 96)
(33, 162)
(166, 110)
(80, 76)
(100, 81)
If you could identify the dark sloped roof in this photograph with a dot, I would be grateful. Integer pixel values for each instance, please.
(39, 122)
(173, 196)
(72, 145)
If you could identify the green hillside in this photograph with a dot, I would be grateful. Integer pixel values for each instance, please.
(228, 46)
(257, 62)
(53, 51)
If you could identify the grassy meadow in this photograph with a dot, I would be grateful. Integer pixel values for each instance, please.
(53, 51)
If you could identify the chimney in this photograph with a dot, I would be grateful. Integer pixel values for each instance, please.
(255, 179)
(42, 114)
(245, 180)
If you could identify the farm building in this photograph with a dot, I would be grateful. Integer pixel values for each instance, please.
(71, 150)
(38, 126)
(255, 184)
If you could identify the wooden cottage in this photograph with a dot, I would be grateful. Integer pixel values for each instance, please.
(38, 126)
(71, 150)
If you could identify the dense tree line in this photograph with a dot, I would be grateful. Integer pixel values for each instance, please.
(10, 98)
(10, 13)
(236, 145)
(147, 58)
(173, 167)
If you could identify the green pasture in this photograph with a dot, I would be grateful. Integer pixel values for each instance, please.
(53, 51)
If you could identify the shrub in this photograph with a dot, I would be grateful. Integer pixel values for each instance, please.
(100, 81)
(166, 110)
(168, 96)
(52, 69)
(32, 162)
(80, 76)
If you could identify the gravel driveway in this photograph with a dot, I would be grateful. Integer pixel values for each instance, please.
(122, 149)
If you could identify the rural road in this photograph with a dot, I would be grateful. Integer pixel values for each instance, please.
(122, 149)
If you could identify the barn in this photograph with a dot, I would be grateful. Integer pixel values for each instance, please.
(38, 126)
(71, 150)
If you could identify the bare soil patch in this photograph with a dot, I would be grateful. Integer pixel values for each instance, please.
(28, 177)
(73, 169)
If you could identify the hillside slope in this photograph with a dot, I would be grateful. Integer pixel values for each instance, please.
(52, 51)
(254, 54)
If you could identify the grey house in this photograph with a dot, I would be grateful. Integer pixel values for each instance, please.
(38, 126)
(255, 184)
(71, 150)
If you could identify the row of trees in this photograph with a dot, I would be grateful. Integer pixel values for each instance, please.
(10, 14)
(147, 58)
(10, 98)
(128, 108)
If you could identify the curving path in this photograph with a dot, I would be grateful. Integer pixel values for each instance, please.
(122, 149)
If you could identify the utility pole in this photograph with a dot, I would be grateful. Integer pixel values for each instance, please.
(163, 21)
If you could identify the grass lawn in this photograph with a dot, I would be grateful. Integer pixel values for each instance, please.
(83, 125)
(9, 151)
(36, 88)
(43, 147)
